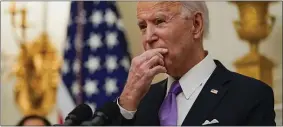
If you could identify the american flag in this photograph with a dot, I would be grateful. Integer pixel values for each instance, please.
(96, 58)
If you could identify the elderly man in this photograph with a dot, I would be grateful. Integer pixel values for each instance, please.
(198, 90)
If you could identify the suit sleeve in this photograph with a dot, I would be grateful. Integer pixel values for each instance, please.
(121, 121)
(263, 113)
(125, 113)
(125, 118)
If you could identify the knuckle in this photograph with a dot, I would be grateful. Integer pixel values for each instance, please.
(148, 74)
(139, 72)
(145, 57)
(135, 61)
(157, 53)
(161, 61)
(158, 68)
(155, 58)
(147, 51)
(144, 71)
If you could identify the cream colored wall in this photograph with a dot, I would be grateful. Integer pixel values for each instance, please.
(222, 43)
(57, 15)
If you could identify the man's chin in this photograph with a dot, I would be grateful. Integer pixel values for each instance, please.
(171, 70)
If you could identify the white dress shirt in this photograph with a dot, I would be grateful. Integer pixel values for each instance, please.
(191, 83)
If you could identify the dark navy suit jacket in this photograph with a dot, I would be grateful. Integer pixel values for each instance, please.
(240, 100)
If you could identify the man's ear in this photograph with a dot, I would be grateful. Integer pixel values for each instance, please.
(197, 25)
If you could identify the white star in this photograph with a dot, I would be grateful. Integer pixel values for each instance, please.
(110, 17)
(75, 88)
(120, 24)
(110, 86)
(91, 87)
(111, 39)
(81, 18)
(111, 63)
(125, 62)
(92, 105)
(93, 64)
(67, 44)
(65, 67)
(76, 66)
(95, 41)
(96, 17)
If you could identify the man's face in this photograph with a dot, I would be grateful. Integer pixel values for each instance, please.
(162, 26)
(34, 122)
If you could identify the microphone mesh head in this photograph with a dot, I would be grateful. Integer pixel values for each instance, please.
(81, 113)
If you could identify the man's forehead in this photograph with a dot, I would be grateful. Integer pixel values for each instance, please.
(160, 6)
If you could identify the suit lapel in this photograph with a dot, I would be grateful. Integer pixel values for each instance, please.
(149, 106)
(209, 97)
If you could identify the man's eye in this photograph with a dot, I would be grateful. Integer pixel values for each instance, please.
(159, 21)
(142, 27)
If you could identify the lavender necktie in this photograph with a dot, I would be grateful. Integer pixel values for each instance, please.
(168, 110)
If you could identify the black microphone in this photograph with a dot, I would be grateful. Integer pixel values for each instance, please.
(81, 113)
(104, 115)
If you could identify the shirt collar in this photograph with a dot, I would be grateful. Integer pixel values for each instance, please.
(195, 76)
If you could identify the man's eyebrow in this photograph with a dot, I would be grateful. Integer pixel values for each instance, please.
(140, 22)
(159, 14)
(162, 14)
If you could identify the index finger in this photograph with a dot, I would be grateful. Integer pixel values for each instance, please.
(152, 52)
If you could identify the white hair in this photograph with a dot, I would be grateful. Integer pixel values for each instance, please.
(201, 7)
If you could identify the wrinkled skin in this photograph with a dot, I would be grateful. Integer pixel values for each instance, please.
(172, 42)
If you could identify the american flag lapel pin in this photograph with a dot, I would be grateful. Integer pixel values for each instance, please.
(214, 91)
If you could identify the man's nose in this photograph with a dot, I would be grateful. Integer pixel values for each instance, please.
(150, 35)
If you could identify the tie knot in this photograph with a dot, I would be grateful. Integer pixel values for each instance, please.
(175, 88)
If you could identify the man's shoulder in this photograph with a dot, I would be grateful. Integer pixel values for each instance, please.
(251, 85)
(248, 81)
(239, 81)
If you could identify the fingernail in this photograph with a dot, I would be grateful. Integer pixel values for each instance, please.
(165, 50)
